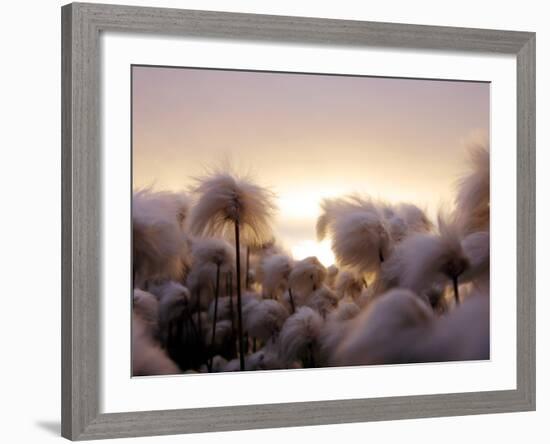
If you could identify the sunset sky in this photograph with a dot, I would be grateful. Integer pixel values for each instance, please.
(306, 137)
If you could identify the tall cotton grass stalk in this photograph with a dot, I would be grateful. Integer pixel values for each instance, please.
(247, 272)
(208, 255)
(291, 298)
(225, 200)
(473, 192)
(239, 297)
(231, 306)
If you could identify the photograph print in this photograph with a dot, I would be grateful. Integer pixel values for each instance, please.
(286, 221)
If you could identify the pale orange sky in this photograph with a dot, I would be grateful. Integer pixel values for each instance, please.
(306, 136)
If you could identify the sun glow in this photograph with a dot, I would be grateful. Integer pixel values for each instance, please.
(309, 248)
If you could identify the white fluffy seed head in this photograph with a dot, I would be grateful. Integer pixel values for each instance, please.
(345, 310)
(415, 218)
(476, 247)
(323, 300)
(174, 299)
(386, 331)
(224, 199)
(224, 308)
(361, 241)
(148, 358)
(215, 251)
(424, 259)
(299, 334)
(169, 290)
(306, 276)
(473, 192)
(332, 276)
(208, 254)
(462, 334)
(333, 209)
(348, 284)
(266, 358)
(158, 240)
(335, 329)
(275, 271)
(224, 331)
(264, 319)
(145, 305)
(397, 228)
(152, 206)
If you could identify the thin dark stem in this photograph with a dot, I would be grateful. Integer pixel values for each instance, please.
(291, 300)
(455, 288)
(239, 296)
(217, 295)
(231, 313)
(254, 345)
(246, 277)
(231, 308)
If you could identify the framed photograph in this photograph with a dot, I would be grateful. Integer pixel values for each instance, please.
(276, 221)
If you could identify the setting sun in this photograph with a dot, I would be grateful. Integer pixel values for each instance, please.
(309, 248)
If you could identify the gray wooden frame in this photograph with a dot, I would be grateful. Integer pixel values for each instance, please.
(81, 167)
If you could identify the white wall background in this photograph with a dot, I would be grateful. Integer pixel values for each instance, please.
(30, 222)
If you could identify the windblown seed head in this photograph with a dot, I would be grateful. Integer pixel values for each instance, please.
(158, 240)
(299, 335)
(145, 305)
(306, 276)
(275, 271)
(348, 284)
(223, 199)
(423, 259)
(323, 300)
(264, 319)
(386, 331)
(361, 241)
(473, 192)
